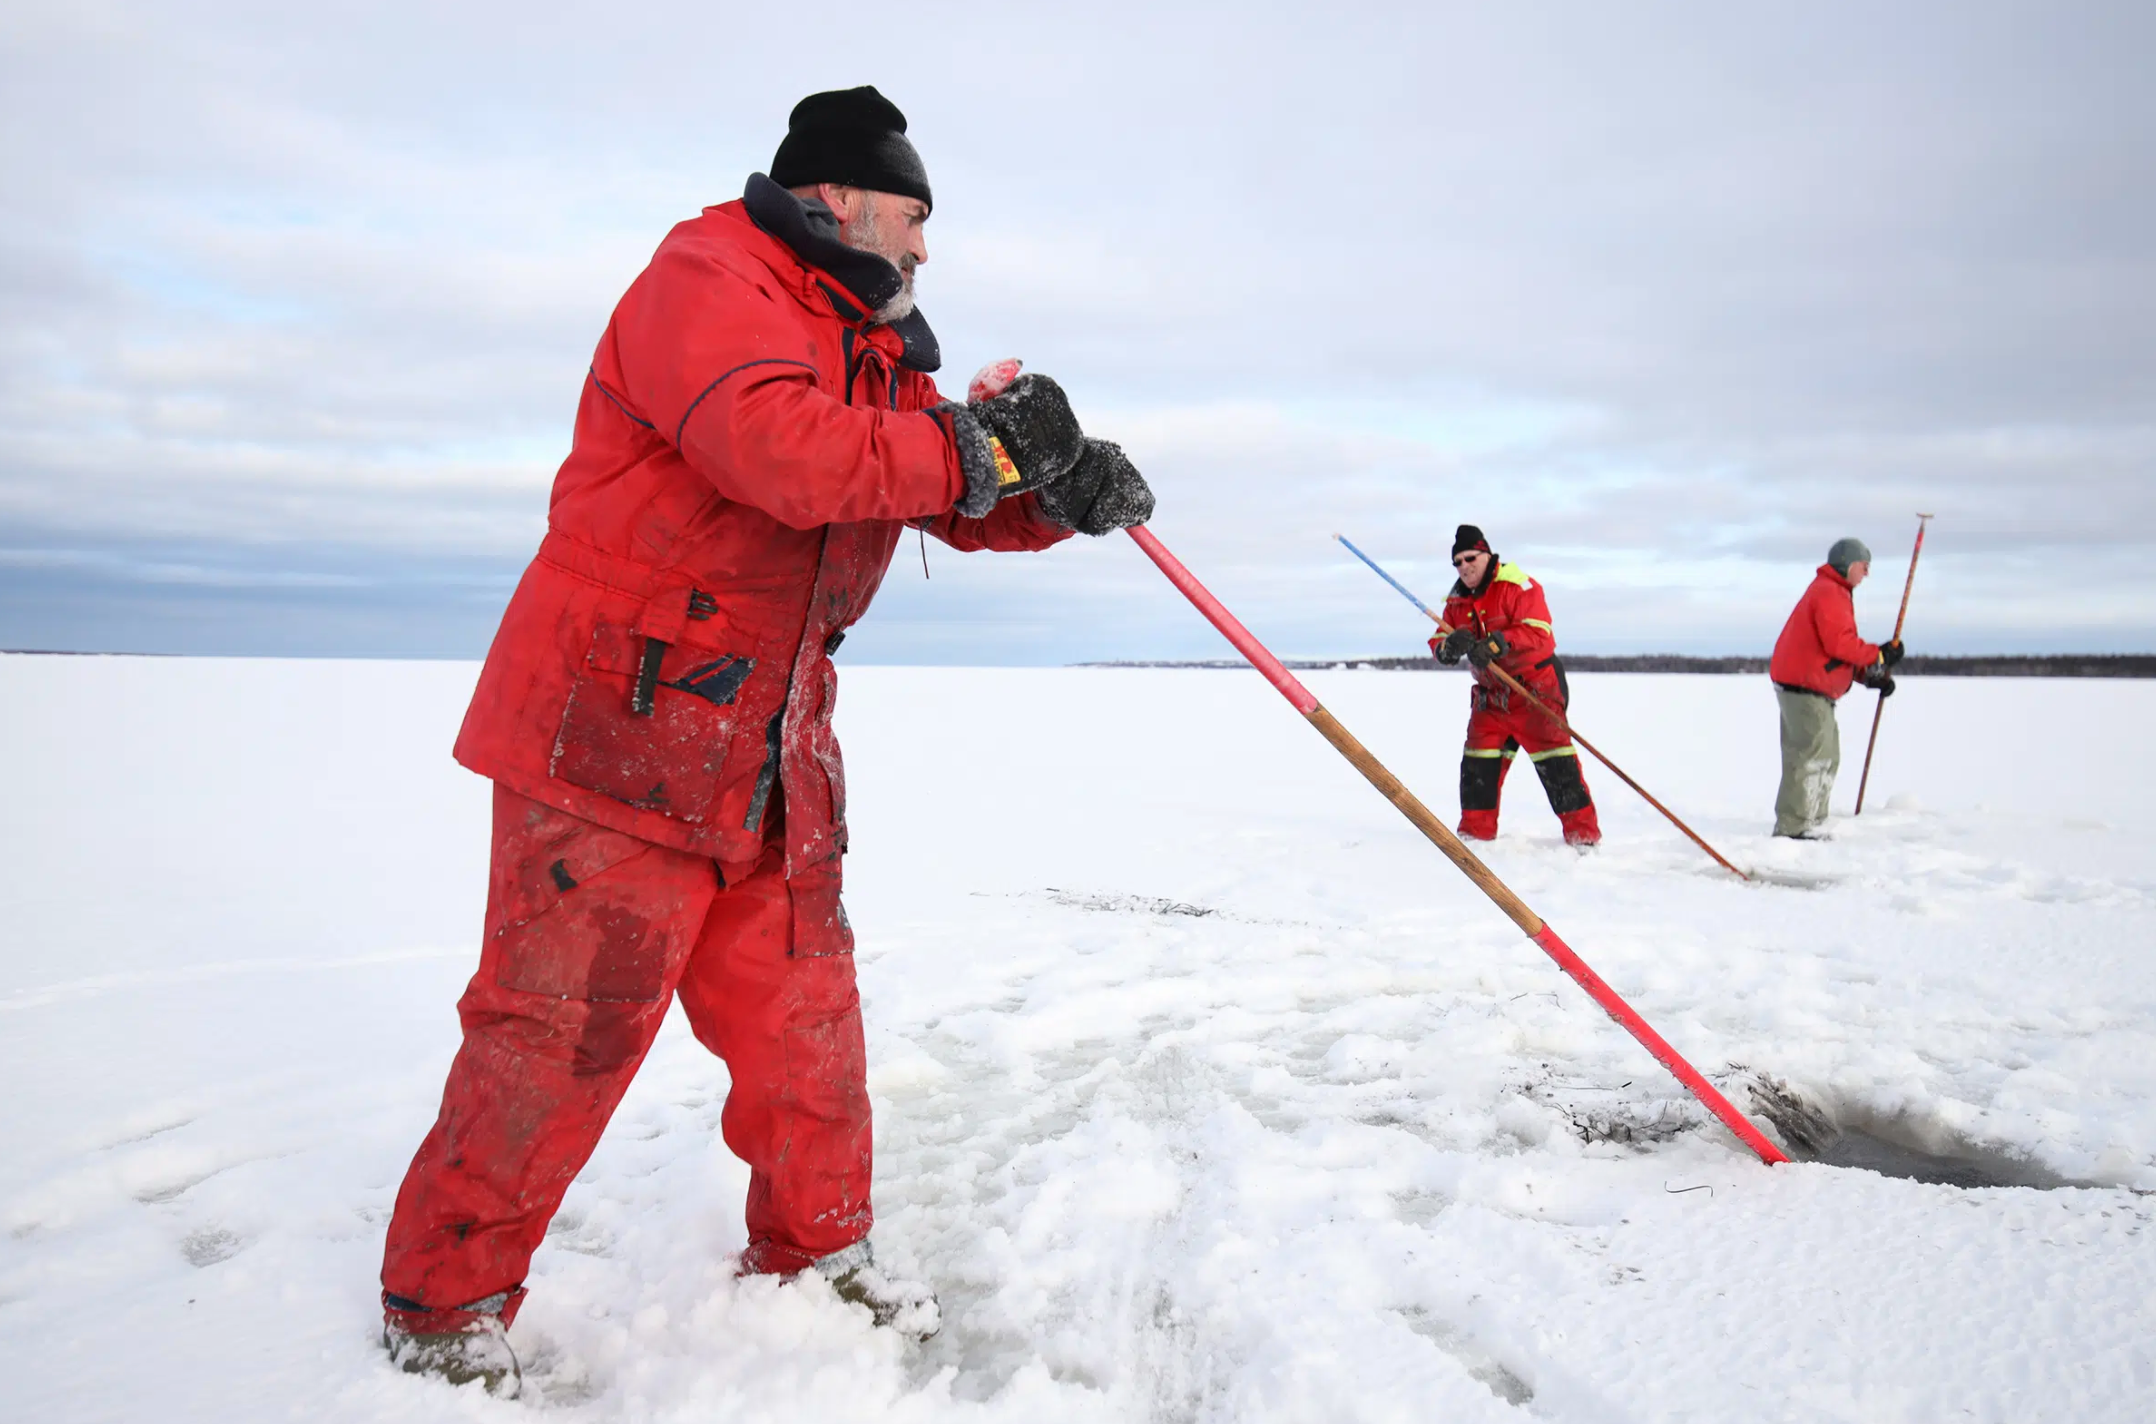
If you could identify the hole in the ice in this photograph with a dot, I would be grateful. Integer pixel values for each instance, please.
(1970, 1166)
(1846, 1136)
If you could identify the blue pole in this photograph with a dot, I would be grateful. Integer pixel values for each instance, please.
(1378, 569)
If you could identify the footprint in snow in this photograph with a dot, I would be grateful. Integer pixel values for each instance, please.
(208, 1245)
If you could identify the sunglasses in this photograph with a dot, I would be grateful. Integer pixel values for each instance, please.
(1465, 559)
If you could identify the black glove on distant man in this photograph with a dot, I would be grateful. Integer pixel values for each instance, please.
(1890, 652)
(1878, 678)
(1454, 647)
(1487, 649)
(1102, 492)
(1023, 439)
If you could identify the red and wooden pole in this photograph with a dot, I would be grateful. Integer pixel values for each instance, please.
(1516, 909)
(1879, 708)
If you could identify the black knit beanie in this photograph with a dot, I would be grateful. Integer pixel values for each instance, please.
(851, 136)
(1468, 537)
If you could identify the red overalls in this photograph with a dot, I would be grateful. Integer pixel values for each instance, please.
(669, 809)
(1500, 723)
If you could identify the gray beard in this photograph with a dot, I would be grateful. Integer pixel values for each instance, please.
(857, 234)
(899, 307)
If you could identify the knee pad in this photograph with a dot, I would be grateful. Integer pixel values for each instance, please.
(1482, 776)
(1561, 780)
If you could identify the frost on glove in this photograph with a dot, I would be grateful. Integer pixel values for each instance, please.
(1102, 492)
(1023, 439)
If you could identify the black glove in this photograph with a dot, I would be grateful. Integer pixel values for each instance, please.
(1890, 652)
(1454, 647)
(1102, 492)
(1487, 649)
(1879, 679)
(1030, 425)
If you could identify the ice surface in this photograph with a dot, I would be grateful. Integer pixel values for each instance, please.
(1205, 1089)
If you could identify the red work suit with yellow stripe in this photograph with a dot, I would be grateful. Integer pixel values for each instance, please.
(1501, 723)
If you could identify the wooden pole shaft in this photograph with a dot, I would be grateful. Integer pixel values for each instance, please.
(1440, 835)
(1879, 708)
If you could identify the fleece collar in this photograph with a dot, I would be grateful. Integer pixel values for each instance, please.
(807, 226)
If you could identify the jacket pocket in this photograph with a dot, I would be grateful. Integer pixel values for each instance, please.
(667, 758)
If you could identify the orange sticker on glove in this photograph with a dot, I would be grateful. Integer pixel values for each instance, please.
(1006, 472)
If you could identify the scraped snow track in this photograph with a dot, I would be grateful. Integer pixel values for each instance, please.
(1206, 1091)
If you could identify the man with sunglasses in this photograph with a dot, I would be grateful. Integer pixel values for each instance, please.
(1500, 619)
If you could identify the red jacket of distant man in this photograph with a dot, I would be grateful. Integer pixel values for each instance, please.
(1511, 603)
(748, 448)
(1819, 649)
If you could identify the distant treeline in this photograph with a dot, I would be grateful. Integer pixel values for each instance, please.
(2050, 665)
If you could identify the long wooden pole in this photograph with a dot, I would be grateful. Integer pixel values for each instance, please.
(1879, 708)
(1515, 685)
(1453, 849)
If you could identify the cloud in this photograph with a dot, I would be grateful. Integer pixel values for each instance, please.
(1670, 295)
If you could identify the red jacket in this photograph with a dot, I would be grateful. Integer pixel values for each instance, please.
(1819, 649)
(747, 452)
(1513, 604)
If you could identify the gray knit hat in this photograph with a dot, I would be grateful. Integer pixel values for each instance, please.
(1846, 552)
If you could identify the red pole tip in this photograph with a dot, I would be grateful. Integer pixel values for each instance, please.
(1613, 1004)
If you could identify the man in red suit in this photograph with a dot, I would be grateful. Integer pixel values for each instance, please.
(1500, 619)
(758, 426)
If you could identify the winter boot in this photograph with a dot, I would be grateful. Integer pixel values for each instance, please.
(456, 1346)
(908, 1307)
(1478, 825)
(1581, 828)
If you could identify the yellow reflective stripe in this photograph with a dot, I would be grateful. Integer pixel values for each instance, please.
(1553, 751)
(1538, 623)
(1485, 752)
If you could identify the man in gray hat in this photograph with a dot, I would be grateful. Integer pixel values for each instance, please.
(1815, 660)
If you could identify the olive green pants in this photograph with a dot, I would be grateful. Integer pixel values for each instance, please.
(1811, 755)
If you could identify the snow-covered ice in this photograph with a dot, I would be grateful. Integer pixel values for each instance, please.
(1206, 1090)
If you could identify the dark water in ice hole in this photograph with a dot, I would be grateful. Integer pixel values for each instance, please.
(1969, 1168)
(1814, 1134)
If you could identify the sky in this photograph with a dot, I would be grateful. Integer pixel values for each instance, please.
(296, 302)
